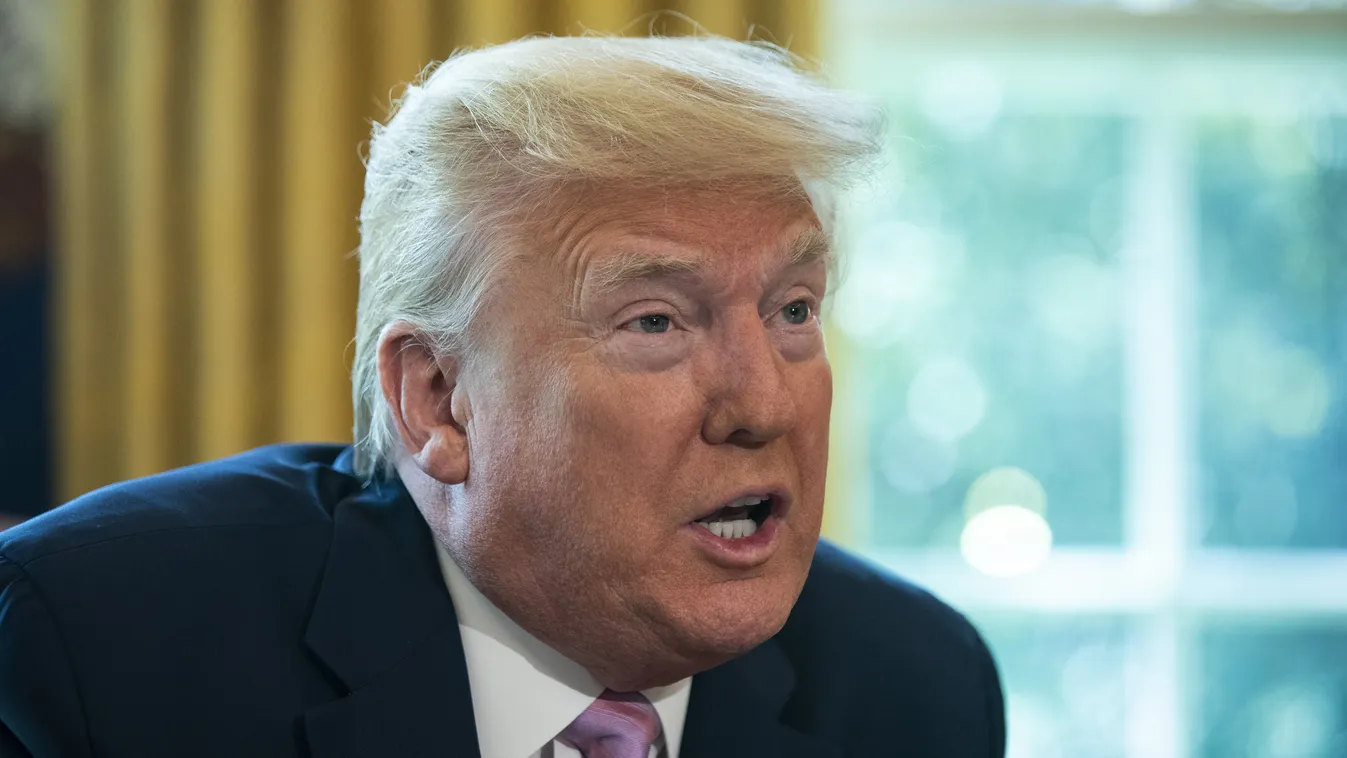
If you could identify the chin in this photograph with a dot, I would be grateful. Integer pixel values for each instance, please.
(732, 618)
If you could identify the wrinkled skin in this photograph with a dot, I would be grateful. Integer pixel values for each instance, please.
(562, 458)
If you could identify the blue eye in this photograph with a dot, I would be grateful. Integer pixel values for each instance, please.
(653, 324)
(797, 312)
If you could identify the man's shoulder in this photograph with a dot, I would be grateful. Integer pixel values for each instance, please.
(849, 596)
(274, 486)
(856, 620)
(173, 598)
(875, 655)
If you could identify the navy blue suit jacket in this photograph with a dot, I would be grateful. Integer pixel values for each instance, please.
(270, 605)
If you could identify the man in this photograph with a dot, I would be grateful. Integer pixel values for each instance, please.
(582, 513)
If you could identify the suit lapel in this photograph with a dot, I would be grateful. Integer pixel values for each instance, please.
(735, 710)
(384, 626)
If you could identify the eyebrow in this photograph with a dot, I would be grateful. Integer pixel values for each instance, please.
(809, 247)
(637, 266)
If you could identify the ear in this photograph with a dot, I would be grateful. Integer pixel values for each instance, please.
(429, 406)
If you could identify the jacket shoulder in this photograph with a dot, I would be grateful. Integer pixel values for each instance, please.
(851, 600)
(185, 593)
(876, 653)
(278, 485)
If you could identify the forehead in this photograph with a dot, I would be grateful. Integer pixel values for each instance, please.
(608, 231)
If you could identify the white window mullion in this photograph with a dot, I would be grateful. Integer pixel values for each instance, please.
(1158, 324)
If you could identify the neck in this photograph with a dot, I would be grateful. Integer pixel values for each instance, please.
(636, 675)
(621, 655)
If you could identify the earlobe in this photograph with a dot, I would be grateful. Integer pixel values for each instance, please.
(421, 390)
(445, 458)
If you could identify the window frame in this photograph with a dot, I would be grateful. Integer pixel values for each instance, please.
(1161, 578)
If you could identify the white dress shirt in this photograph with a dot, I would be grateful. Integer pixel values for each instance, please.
(524, 693)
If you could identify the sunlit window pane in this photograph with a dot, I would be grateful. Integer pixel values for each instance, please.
(1273, 318)
(982, 293)
(1273, 692)
(1065, 690)
(1097, 322)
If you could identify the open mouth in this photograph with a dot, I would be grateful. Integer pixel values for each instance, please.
(739, 519)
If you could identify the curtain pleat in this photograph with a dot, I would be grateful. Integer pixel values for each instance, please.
(230, 287)
(142, 133)
(86, 309)
(495, 22)
(718, 17)
(320, 194)
(404, 45)
(209, 183)
(609, 16)
(796, 25)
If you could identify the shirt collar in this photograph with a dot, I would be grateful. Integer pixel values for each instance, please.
(523, 691)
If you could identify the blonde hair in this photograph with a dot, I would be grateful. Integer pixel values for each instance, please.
(479, 142)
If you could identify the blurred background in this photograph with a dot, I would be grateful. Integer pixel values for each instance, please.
(1091, 342)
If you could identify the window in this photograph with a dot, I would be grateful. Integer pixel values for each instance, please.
(1092, 338)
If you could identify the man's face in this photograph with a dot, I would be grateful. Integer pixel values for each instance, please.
(658, 361)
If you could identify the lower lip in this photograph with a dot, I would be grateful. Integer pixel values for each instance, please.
(744, 552)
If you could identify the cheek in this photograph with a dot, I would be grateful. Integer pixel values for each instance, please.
(813, 392)
(634, 422)
(599, 444)
(518, 451)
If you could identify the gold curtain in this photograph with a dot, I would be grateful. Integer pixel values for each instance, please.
(208, 187)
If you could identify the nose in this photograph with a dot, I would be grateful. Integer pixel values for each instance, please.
(750, 399)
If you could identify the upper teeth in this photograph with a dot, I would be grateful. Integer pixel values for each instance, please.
(747, 502)
(732, 530)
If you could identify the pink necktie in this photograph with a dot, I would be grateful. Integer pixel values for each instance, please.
(617, 725)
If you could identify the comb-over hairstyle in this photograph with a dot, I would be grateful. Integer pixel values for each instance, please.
(469, 154)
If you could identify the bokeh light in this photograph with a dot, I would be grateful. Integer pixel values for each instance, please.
(1075, 296)
(1299, 394)
(915, 462)
(1091, 691)
(1295, 721)
(1006, 541)
(897, 274)
(946, 399)
(963, 99)
(1269, 383)
(1005, 485)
